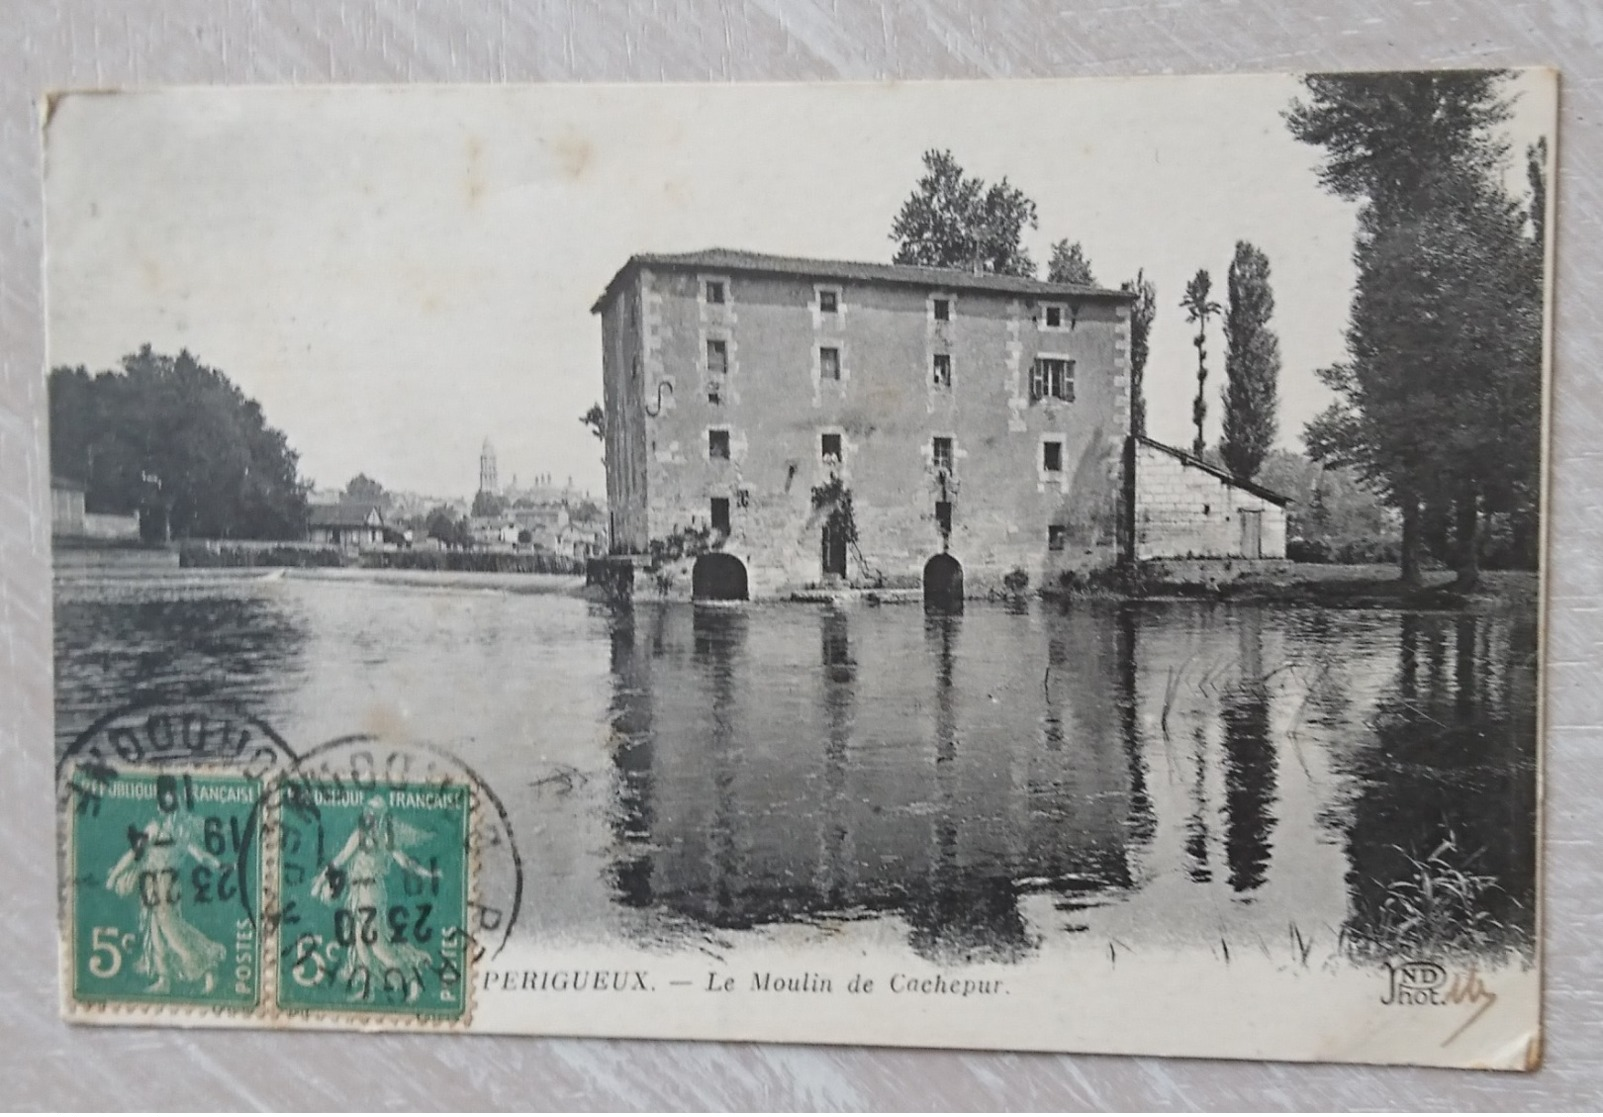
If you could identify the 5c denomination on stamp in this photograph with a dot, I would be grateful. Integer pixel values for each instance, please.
(164, 888)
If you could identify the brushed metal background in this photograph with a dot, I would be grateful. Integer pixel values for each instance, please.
(78, 43)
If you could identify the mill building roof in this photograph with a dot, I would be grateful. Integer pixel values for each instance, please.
(738, 261)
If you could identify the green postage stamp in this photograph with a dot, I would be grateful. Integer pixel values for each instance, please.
(355, 905)
(373, 894)
(165, 889)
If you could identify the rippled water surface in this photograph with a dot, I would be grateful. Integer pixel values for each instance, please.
(1183, 773)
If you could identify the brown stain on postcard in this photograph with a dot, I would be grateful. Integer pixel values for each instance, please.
(574, 154)
(384, 721)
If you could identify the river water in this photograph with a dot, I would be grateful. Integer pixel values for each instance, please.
(1199, 775)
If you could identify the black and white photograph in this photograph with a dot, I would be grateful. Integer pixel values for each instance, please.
(1047, 565)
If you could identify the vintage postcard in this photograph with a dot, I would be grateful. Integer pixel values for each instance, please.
(1047, 565)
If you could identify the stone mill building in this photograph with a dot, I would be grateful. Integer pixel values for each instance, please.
(775, 424)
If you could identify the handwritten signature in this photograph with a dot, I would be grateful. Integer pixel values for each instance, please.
(1429, 983)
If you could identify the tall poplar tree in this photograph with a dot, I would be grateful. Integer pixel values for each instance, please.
(1142, 314)
(1252, 363)
(1199, 308)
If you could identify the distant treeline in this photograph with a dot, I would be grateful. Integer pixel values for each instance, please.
(178, 444)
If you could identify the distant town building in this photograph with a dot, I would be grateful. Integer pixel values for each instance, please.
(979, 425)
(493, 531)
(544, 489)
(346, 524)
(487, 478)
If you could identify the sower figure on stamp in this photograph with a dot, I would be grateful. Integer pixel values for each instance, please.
(171, 948)
(355, 880)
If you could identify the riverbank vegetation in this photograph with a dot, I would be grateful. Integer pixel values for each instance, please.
(1439, 398)
(177, 443)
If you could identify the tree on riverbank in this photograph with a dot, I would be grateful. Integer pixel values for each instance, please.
(1439, 399)
(178, 443)
(1252, 363)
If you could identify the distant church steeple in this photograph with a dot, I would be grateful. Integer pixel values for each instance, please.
(487, 478)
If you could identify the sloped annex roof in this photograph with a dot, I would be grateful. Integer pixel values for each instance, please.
(343, 514)
(947, 279)
(1208, 467)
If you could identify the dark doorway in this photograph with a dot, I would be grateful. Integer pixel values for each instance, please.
(943, 584)
(833, 547)
(718, 578)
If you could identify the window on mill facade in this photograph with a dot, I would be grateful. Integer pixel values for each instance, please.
(1052, 378)
(718, 445)
(829, 362)
(943, 370)
(941, 454)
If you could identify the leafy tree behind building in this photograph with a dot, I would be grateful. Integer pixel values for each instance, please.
(487, 504)
(954, 220)
(362, 489)
(1068, 264)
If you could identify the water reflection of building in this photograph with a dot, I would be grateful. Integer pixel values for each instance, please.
(913, 774)
(1207, 776)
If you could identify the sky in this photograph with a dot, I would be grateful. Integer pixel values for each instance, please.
(397, 273)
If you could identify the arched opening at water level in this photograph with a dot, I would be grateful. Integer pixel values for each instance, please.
(943, 584)
(718, 578)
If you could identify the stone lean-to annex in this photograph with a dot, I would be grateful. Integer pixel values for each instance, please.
(776, 424)
(1189, 508)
